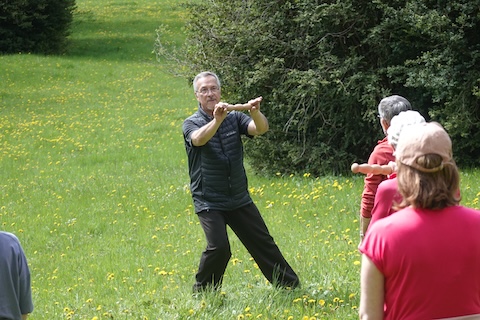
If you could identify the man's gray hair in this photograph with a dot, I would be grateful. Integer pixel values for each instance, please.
(203, 75)
(390, 106)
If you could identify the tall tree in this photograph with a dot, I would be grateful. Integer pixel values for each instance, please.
(37, 26)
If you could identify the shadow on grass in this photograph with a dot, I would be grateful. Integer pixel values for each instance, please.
(117, 39)
(113, 48)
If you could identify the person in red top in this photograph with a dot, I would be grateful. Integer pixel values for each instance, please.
(382, 154)
(387, 193)
(423, 262)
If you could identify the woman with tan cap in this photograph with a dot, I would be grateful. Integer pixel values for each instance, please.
(423, 262)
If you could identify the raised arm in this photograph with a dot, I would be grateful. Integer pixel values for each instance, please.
(239, 107)
(259, 125)
(202, 135)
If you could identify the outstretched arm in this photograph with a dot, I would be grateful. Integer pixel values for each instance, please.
(239, 107)
(366, 168)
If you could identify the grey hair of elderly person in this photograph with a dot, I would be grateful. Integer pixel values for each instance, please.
(391, 106)
(203, 75)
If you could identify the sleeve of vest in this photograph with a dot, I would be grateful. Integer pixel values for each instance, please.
(188, 127)
(243, 121)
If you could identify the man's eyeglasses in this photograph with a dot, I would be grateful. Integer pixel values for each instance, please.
(204, 91)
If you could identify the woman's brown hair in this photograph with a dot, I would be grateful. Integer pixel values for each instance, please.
(428, 190)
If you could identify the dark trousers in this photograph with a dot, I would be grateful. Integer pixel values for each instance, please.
(250, 228)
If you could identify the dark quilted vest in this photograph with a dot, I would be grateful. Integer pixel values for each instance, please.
(218, 178)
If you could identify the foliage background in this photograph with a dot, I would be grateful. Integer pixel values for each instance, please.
(323, 66)
(39, 26)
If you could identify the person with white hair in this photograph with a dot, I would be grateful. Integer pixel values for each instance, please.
(423, 262)
(387, 193)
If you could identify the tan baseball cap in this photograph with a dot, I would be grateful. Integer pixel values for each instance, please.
(422, 139)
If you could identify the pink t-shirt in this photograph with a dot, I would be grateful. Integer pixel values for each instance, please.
(387, 194)
(430, 260)
(381, 154)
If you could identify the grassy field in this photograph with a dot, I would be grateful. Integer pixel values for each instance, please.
(94, 182)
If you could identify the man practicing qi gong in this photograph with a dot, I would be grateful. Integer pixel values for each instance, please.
(219, 188)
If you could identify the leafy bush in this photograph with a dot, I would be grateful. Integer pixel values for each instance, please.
(323, 66)
(38, 26)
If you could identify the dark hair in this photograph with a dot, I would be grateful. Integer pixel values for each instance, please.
(428, 190)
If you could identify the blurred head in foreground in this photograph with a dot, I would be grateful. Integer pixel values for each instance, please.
(427, 174)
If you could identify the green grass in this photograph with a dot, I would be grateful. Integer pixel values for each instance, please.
(94, 182)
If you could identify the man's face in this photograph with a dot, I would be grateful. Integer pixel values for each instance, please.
(208, 93)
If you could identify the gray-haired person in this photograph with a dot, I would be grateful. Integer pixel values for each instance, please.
(382, 154)
(423, 262)
(219, 187)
